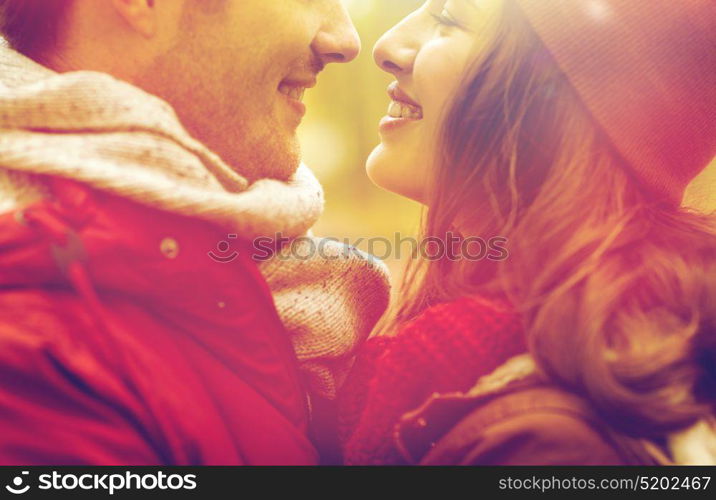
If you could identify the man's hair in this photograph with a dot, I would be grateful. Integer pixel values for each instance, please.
(31, 26)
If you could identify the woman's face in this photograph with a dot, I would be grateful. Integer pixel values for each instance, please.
(428, 52)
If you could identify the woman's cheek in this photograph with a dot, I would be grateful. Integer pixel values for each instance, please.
(438, 71)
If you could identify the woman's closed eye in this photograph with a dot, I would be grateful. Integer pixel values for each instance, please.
(465, 15)
(460, 14)
(445, 18)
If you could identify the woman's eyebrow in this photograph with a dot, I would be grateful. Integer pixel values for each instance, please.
(471, 3)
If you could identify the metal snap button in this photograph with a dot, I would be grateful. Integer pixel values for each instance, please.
(20, 218)
(169, 247)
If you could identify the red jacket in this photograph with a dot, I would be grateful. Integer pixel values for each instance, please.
(122, 342)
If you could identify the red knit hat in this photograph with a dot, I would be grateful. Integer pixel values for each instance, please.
(646, 70)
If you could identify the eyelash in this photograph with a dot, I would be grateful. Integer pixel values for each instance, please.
(445, 19)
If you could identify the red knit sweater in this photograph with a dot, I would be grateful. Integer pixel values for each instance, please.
(444, 349)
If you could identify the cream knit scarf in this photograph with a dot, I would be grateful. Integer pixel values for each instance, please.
(95, 129)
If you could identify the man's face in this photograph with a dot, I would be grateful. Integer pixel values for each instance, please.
(237, 72)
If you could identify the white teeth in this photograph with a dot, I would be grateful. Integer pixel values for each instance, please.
(292, 92)
(399, 109)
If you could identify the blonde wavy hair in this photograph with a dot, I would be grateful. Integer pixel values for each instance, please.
(616, 291)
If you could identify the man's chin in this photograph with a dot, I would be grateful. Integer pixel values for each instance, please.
(279, 162)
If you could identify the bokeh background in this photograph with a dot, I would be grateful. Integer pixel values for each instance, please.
(341, 129)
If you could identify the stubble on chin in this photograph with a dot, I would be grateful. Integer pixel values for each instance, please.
(254, 148)
(264, 156)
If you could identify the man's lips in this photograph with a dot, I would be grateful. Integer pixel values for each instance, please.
(295, 88)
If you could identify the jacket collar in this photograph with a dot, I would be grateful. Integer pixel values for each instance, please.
(418, 430)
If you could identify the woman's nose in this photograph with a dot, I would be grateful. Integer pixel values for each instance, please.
(395, 51)
(338, 40)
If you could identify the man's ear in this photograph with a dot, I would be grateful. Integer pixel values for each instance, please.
(141, 15)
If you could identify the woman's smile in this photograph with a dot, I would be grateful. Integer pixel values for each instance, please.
(402, 109)
(427, 53)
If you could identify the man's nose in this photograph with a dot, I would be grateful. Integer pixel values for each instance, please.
(338, 40)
